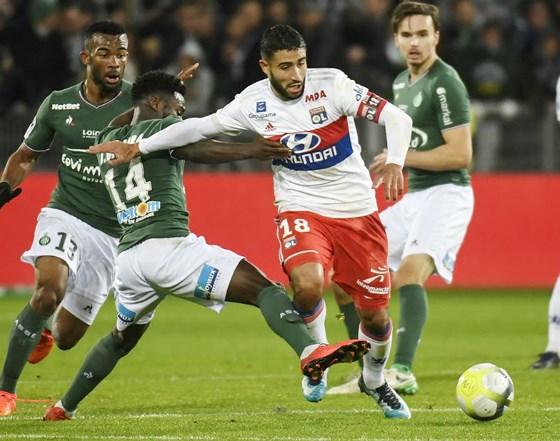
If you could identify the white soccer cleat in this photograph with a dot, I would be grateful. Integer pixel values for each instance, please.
(350, 387)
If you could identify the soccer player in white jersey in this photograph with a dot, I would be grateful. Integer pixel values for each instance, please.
(550, 358)
(426, 228)
(327, 211)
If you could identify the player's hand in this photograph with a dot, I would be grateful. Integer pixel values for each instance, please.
(7, 194)
(391, 176)
(188, 72)
(266, 149)
(123, 152)
(378, 162)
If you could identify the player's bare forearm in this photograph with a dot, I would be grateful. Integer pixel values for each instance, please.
(216, 152)
(19, 165)
(122, 151)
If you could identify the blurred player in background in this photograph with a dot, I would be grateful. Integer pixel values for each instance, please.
(326, 203)
(159, 256)
(550, 358)
(427, 227)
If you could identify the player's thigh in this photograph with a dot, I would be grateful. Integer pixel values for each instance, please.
(440, 226)
(360, 261)
(185, 267)
(303, 238)
(88, 253)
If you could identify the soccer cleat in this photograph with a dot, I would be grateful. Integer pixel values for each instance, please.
(391, 404)
(314, 391)
(43, 347)
(350, 387)
(7, 403)
(57, 413)
(401, 379)
(547, 360)
(314, 365)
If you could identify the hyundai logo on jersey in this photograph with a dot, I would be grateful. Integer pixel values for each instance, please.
(301, 142)
(317, 149)
(261, 106)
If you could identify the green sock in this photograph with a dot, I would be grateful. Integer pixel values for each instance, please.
(99, 362)
(23, 338)
(413, 316)
(352, 321)
(278, 311)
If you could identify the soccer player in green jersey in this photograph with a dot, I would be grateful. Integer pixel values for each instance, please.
(160, 256)
(426, 228)
(74, 247)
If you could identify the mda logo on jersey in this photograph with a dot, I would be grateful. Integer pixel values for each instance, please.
(301, 142)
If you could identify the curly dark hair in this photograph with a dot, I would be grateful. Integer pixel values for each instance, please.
(280, 37)
(156, 81)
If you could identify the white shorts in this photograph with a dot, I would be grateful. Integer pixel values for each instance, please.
(185, 267)
(432, 221)
(89, 253)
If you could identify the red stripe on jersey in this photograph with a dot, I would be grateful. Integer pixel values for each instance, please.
(329, 134)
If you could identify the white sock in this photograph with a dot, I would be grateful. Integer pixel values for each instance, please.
(376, 359)
(308, 350)
(315, 322)
(554, 320)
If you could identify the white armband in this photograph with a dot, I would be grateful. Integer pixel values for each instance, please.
(398, 130)
(185, 132)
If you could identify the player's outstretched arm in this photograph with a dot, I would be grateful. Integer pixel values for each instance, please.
(17, 168)
(122, 151)
(216, 152)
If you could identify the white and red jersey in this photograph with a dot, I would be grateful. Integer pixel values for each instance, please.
(326, 173)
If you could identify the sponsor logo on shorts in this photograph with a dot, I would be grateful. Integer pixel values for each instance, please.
(380, 274)
(290, 242)
(125, 315)
(449, 262)
(44, 240)
(206, 281)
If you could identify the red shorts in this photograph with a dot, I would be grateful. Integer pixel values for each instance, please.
(356, 247)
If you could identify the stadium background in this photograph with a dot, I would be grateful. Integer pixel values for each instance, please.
(508, 53)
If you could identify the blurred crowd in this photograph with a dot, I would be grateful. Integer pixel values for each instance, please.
(503, 49)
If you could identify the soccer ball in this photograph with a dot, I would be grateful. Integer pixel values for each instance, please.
(485, 391)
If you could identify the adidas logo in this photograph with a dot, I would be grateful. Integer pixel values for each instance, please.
(269, 127)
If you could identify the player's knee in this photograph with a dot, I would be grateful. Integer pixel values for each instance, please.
(375, 322)
(47, 296)
(65, 342)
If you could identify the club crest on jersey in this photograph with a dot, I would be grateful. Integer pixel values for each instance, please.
(290, 242)
(301, 143)
(261, 106)
(318, 115)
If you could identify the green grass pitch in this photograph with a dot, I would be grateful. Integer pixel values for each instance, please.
(197, 375)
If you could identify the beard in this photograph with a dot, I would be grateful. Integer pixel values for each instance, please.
(104, 87)
(282, 92)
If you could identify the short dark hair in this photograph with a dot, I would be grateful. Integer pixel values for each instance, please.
(103, 27)
(153, 82)
(278, 38)
(408, 8)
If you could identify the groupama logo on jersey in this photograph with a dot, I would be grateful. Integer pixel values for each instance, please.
(301, 143)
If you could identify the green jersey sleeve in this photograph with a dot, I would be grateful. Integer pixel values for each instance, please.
(452, 104)
(40, 133)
